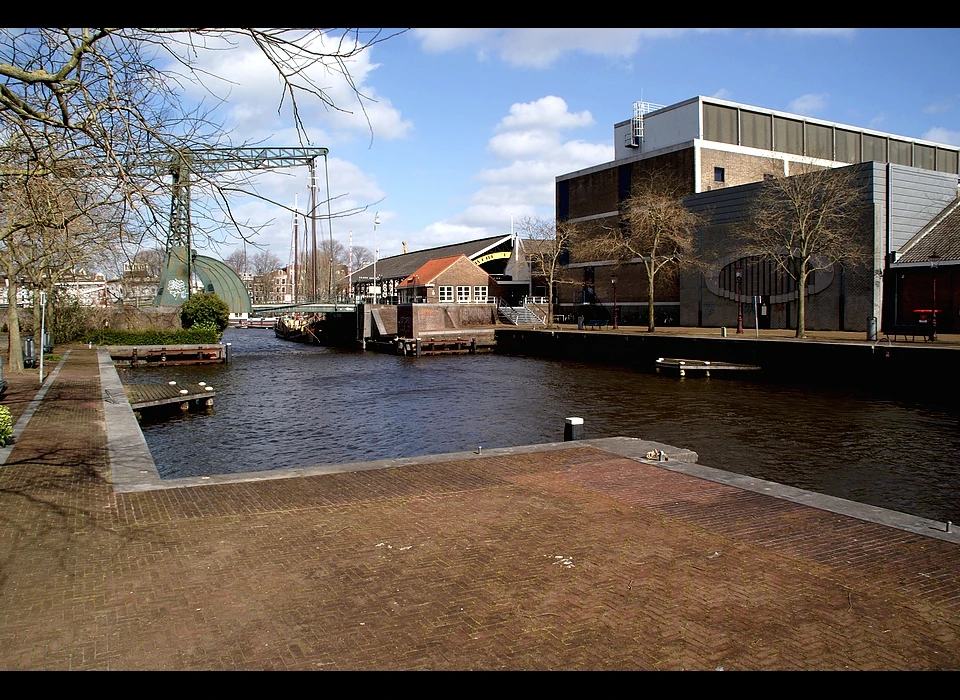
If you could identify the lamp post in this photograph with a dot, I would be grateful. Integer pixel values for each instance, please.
(613, 281)
(739, 299)
(934, 263)
(376, 254)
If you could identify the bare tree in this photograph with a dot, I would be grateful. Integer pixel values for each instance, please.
(655, 229)
(545, 246)
(807, 222)
(239, 261)
(263, 262)
(359, 257)
(109, 101)
(55, 216)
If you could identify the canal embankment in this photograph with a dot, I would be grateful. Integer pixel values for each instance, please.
(919, 368)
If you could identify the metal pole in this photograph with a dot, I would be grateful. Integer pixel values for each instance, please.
(756, 315)
(376, 255)
(43, 329)
(739, 301)
(313, 230)
(326, 173)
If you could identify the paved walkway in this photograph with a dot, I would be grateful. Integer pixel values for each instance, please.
(577, 556)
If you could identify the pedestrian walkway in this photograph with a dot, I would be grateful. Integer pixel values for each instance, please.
(571, 556)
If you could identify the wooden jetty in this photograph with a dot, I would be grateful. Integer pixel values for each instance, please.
(705, 367)
(149, 395)
(421, 347)
(167, 355)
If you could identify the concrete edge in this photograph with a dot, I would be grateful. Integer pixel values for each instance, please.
(131, 465)
(820, 501)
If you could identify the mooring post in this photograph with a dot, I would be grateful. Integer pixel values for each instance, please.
(573, 430)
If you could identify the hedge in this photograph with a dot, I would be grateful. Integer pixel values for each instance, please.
(190, 336)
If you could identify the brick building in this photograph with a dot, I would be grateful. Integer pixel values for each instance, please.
(721, 150)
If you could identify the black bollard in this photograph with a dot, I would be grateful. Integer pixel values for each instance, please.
(573, 430)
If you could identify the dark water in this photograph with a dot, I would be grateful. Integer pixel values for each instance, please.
(282, 405)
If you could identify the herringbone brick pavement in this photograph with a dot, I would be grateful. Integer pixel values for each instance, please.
(570, 559)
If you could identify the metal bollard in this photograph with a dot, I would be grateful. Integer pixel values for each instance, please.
(573, 430)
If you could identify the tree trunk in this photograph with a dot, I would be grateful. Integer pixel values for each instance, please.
(14, 347)
(549, 318)
(650, 323)
(801, 300)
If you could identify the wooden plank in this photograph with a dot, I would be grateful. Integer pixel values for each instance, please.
(147, 395)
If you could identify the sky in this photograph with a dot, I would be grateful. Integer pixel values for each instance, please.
(466, 129)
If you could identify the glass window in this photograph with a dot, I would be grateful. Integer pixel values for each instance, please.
(719, 175)
(446, 294)
(463, 295)
(480, 295)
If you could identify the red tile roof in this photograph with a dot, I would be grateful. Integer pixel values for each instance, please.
(428, 272)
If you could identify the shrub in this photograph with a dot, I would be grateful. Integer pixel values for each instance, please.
(6, 427)
(207, 311)
(191, 336)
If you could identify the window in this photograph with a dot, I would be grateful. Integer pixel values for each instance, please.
(463, 295)
(480, 295)
(446, 294)
(719, 175)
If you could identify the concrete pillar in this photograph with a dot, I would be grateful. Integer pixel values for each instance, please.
(573, 430)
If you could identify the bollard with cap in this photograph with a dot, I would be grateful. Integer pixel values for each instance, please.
(573, 430)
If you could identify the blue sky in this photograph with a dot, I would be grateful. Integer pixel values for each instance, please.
(470, 126)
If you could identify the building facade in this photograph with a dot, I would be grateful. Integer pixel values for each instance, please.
(721, 151)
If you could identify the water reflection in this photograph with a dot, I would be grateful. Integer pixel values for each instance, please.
(285, 405)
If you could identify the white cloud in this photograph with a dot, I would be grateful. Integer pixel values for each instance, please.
(808, 104)
(539, 48)
(723, 94)
(941, 135)
(255, 108)
(939, 107)
(351, 188)
(530, 151)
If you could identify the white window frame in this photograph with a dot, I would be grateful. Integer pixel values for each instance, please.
(463, 294)
(480, 295)
(445, 294)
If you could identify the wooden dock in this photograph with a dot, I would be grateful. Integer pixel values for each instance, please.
(149, 395)
(421, 347)
(167, 355)
(704, 367)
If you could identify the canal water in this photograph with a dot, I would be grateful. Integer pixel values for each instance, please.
(282, 405)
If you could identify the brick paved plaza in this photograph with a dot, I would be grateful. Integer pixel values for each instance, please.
(572, 558)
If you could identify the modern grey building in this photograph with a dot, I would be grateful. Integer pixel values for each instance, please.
(722, 150)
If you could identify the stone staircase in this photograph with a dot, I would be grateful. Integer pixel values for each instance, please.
(518, 315)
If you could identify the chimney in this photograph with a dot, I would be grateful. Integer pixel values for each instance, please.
(404, 244)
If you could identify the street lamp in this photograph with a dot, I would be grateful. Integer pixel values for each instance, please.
(934, 263)
(739, 298)
(613, 281)
(376, 254)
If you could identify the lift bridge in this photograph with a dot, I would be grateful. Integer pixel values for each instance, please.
(307, 307)
(182, 262)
